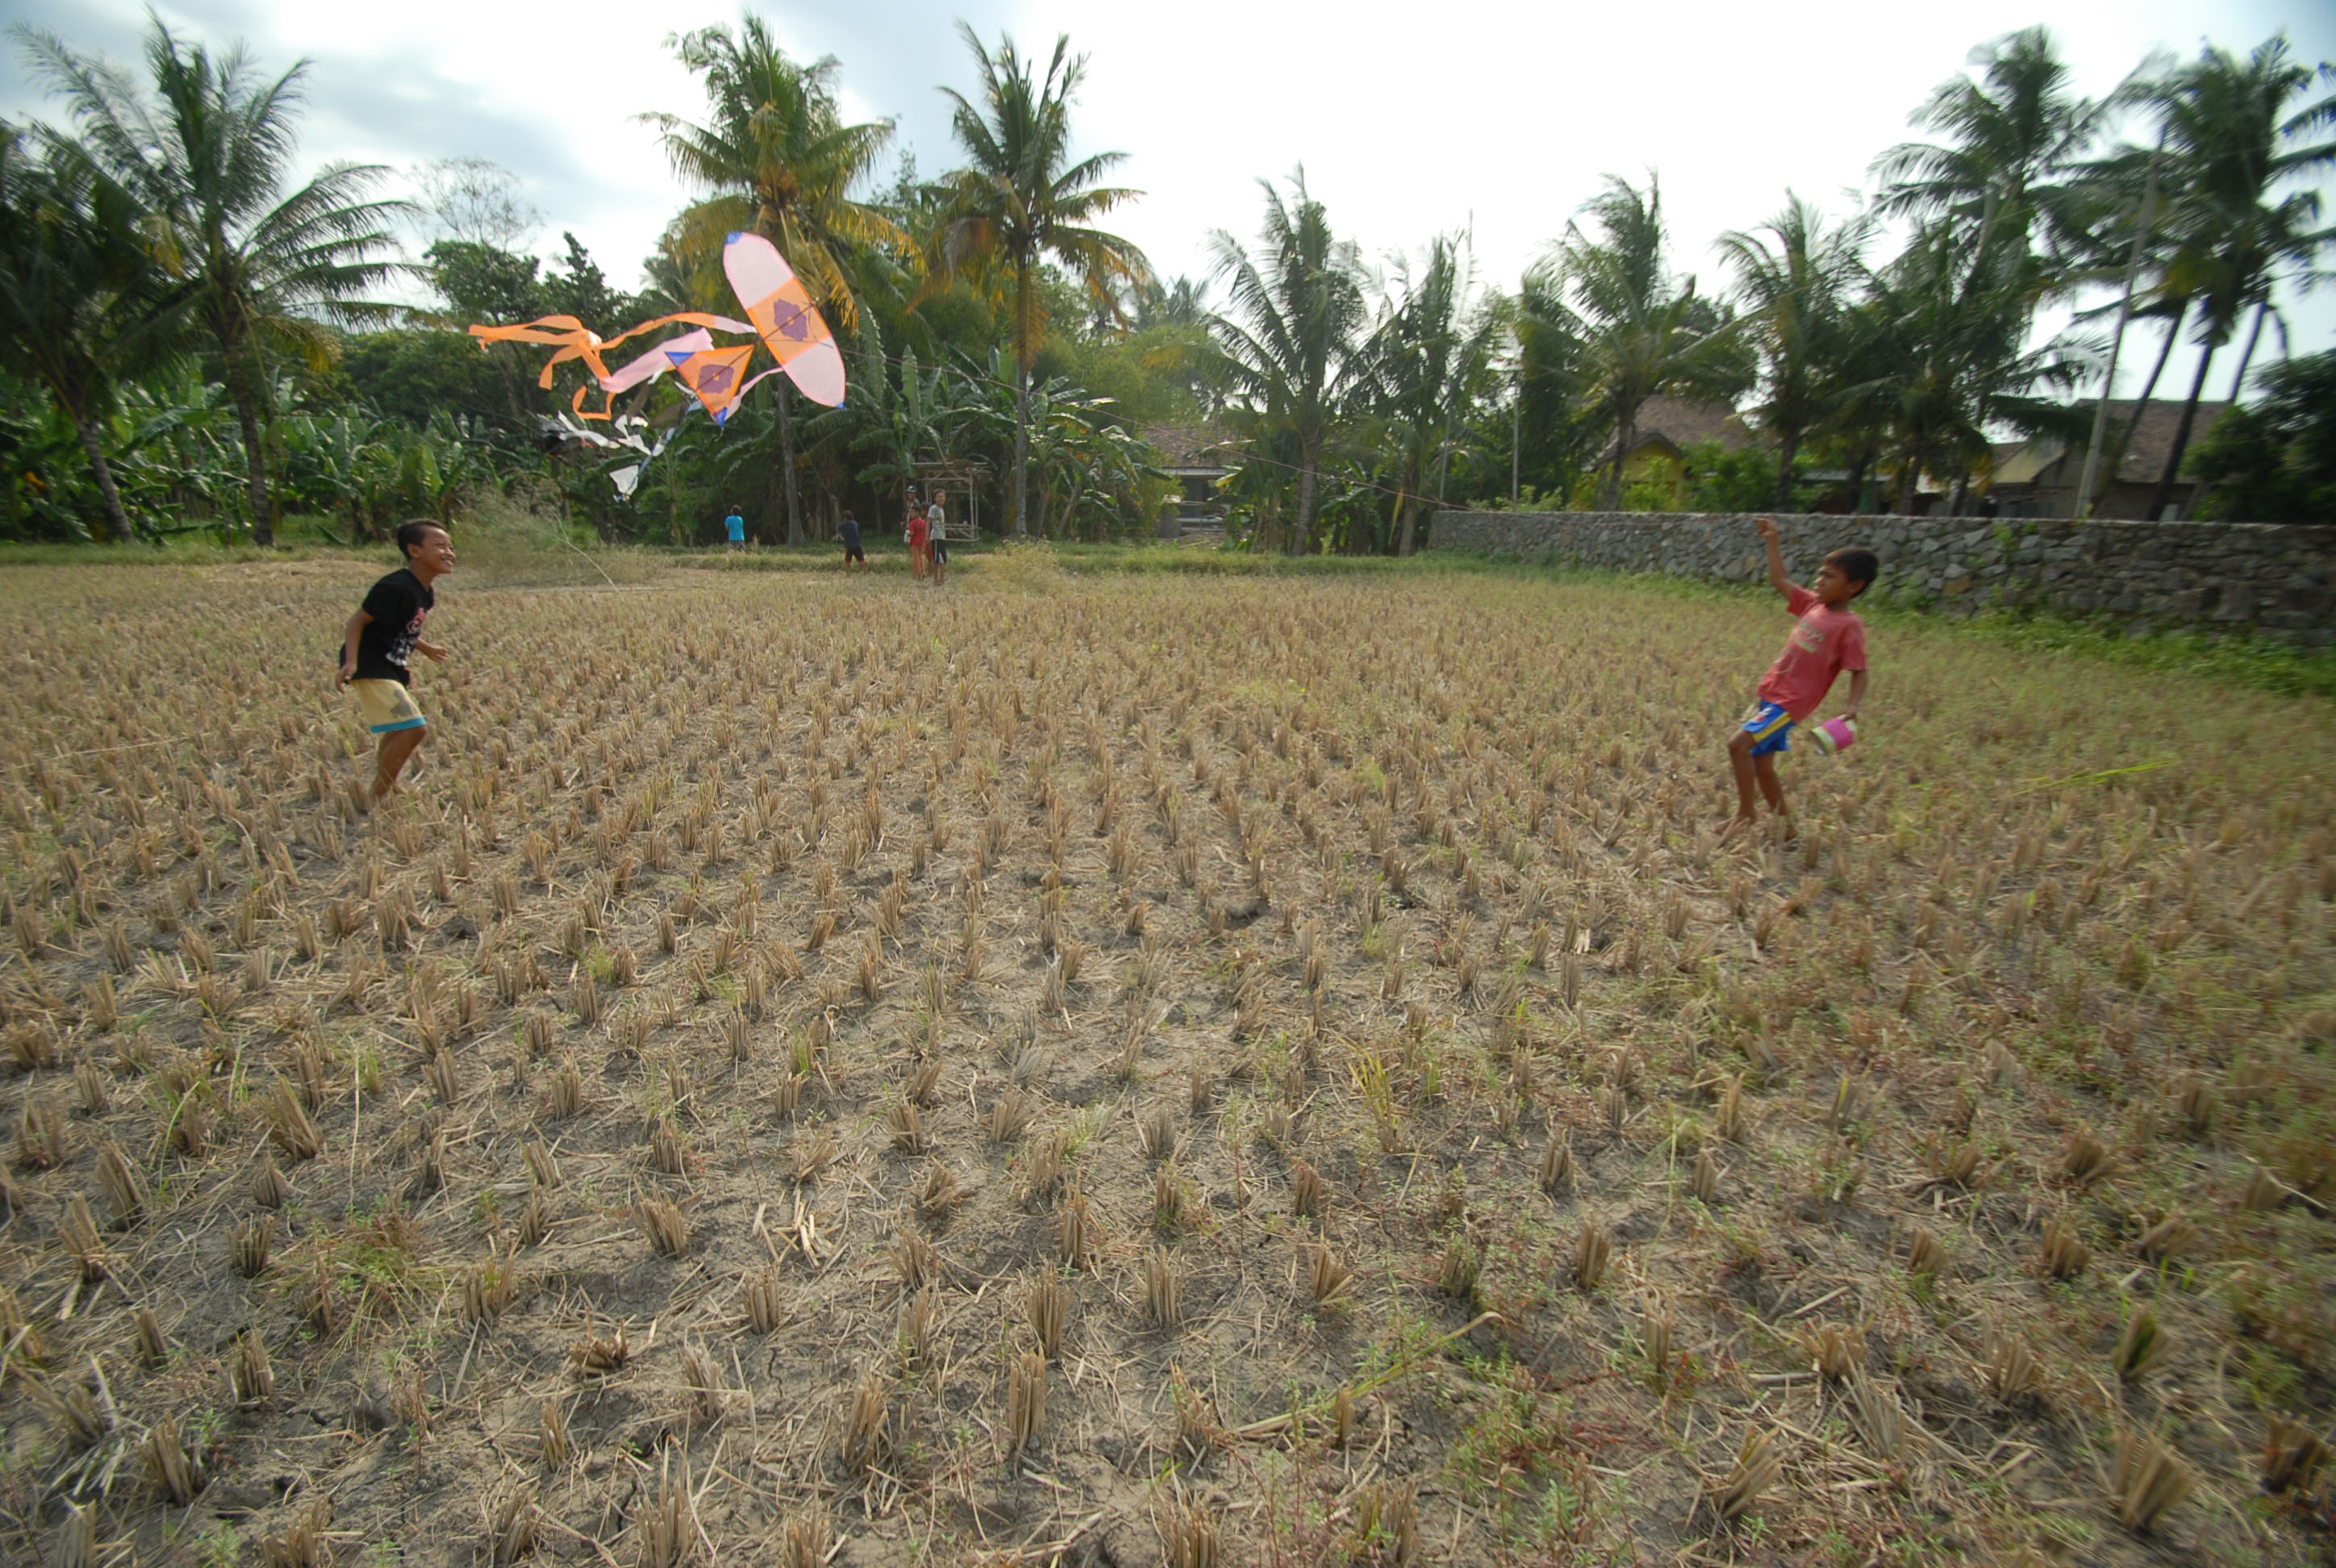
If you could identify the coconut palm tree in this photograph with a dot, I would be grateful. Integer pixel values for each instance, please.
(1957, 363)
(1551, 424)
(777, 159)
(206, 155)
(1644, 331)
(2234, 135)
(1794, 292)
(2014, 148)
(2006, 198)
(1021, 201)
(83, 306)
(1871, 350)
(1293, 336)
(1428, 363)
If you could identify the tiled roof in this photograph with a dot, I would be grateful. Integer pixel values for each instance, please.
(1186, 445)
(2153, 438)
(1683, 423)
(2053, 461)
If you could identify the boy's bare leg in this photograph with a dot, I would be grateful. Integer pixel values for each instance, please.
(1741, 759)
(397, 746)
(1772, 788)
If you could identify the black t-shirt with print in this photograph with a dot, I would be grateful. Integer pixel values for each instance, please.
(398, 604)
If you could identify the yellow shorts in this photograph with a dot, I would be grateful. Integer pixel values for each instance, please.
(387, 705)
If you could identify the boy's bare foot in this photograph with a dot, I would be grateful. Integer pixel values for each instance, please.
(1740, 823)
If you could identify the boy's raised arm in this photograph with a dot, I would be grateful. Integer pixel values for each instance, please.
(1776, 578)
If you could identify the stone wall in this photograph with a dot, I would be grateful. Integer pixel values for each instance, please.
(2277, 577)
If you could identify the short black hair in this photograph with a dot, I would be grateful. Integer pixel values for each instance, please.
(409, 534)
(1860, 565)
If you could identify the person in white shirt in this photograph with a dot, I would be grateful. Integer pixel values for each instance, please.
(937, 536)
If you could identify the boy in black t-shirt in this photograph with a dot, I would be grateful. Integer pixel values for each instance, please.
(381, 639)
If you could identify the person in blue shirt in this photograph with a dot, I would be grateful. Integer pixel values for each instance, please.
(737, 527)
(852, 552)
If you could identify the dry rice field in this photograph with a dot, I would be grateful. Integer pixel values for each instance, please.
(1138, 1070)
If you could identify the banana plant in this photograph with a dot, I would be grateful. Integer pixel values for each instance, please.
(895, 419)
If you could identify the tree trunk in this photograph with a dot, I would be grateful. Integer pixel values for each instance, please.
(1021, 448)
(1910, 483)
(1516, 448)
(117, 519)
(2165, 492)
(1399, 534)
(247, 418)
(2164, 352)
(1304, 527)
(1626, 433)
(1022, 398)
(788, 462)
(2246, 358)
(1788, 449)
(2115, 458)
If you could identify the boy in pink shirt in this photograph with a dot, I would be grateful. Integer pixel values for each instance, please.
(1826, 638)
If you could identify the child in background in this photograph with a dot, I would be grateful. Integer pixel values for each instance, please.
(382, 636)
(919, 535)
(851, 550)
(1827, 637)
(736, 525)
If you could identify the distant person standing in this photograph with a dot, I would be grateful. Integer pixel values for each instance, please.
(851, 552)
(936, 539)
(381, 640)
(736, 525)
(919, 538)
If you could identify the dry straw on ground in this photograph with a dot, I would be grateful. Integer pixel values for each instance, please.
(1287, 1064)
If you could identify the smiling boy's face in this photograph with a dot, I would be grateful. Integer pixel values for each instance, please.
(435, 552)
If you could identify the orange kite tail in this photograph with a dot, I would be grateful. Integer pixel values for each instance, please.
(571, 339)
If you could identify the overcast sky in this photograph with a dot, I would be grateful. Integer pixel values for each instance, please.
(1499, 118)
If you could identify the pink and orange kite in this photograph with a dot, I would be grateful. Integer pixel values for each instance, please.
(779, 314)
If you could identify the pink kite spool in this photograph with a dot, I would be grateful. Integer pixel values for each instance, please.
(1834, 736)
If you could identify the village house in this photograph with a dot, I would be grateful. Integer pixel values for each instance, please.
(2038, 478)
(1193, 455)
(1666, 428)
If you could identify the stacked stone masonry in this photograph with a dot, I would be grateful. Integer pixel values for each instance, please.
(2277, 579)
